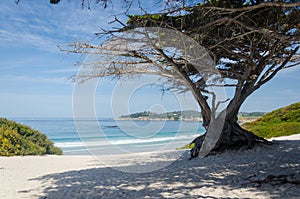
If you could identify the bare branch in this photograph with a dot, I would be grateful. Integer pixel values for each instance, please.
(268, 78)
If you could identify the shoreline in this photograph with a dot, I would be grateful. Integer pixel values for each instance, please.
(240, 120)
(156, 119)
(234, 174)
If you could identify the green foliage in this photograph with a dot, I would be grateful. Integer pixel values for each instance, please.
(187, 146)
(18, 139)
(289, 113)
(133, 18)
(225, 32)
(281, 122)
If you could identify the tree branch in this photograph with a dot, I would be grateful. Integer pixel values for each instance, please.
(268, 78)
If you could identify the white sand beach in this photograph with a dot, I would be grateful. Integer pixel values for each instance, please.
(271, 171)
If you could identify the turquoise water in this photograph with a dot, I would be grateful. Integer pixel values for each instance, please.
(108, 136)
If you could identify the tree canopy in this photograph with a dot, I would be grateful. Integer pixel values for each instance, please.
(249, 42)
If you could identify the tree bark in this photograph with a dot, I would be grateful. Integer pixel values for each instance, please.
(232, 137)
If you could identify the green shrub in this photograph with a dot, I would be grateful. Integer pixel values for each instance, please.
(187, 146)
(18, 139)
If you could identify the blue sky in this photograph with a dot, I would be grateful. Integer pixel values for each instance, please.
(34, 73)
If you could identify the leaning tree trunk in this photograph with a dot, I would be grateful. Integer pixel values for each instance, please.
(233, 136)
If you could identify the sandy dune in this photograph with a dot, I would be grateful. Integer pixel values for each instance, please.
(271, 171)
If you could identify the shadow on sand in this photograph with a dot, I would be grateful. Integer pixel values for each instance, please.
(229, 175)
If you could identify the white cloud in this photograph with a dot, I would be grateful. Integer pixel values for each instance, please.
(26, 38)
(45, 26)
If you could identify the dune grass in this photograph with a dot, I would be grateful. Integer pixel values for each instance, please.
(281, 122)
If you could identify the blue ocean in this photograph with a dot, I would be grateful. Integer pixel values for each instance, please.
(109, 136)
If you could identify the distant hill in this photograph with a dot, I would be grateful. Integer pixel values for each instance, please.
(175, 115)
(18, 139)
(251, 114)
(181, 115)
(281, 122)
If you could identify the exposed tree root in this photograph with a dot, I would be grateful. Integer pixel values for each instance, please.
(232, 137)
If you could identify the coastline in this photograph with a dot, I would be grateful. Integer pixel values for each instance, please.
(241, 120)
(157, 119)
(234, 174)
